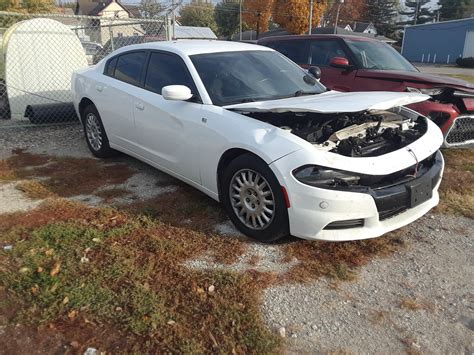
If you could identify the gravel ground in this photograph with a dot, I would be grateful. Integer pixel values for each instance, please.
(436, 270)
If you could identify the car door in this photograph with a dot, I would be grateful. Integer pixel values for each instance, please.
(114, 97)
(321, 52)
(167, 129)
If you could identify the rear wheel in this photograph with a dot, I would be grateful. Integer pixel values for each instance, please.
(94, 131)
(254, 199)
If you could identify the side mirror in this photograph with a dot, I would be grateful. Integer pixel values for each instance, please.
(315, 71)
(340, 62)
(176, 93)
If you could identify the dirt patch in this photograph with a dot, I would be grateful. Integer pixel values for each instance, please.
(111, 194)
(185, 207)
(63, 176)
(457, 186)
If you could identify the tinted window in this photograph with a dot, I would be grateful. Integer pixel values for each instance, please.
(129, 67)
(378, 55)
(236, 77)
(166, 69)
(323, 51)
(110, 69)
(297, 51)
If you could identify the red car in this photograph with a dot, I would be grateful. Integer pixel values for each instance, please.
(351, 63)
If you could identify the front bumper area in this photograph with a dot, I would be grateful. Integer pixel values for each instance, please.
(335, 215)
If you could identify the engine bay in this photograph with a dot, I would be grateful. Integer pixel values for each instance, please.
(361, 134)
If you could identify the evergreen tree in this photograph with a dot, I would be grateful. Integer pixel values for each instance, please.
(227, 17)
(455, 9)
(416, 12)
(382, 13)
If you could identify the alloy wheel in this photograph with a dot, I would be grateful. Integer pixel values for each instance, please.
(93, 131)
(252, 199)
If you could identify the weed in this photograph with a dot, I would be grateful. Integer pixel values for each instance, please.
(414, 304)
(33, 189)
(457, 186)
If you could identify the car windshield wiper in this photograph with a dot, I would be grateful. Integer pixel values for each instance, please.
(302, 93)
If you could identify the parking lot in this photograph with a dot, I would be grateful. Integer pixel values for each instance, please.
(115, 255)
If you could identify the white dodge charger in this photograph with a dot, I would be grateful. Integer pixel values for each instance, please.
(250, 128)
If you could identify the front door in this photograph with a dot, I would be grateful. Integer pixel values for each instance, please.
(167, 129)
(322, 51)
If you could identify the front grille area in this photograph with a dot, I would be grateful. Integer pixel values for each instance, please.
(349, 223)
(462, 131)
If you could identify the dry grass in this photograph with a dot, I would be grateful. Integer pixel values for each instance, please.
(457, 186)
(338, 260)
(469, 78)
(34, 189)
(415, 304)
(82, 269)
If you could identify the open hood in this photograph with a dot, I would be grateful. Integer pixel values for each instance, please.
(333, 102)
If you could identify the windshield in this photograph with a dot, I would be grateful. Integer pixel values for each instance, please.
(236, 77)
(378, 55)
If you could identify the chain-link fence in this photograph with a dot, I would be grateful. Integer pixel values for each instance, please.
(40, 52)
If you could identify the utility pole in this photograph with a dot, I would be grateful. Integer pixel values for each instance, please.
(340, 2)
(173, 35)
(240, 19)
(416, 11)
(310, 16)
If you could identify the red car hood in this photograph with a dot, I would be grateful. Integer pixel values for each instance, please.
(417, 77)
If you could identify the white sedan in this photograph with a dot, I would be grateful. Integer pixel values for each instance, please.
(250, 128)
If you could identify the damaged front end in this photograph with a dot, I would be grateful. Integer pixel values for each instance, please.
(359, 134)
(452, 110)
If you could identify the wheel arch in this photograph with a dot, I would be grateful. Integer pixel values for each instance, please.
(224, 161)
(85, 101)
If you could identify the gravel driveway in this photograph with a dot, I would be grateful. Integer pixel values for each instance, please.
(419, 299)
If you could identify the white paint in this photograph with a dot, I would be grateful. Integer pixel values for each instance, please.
(41, 55)
(469, 45)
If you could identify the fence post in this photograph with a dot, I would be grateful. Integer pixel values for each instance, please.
(434, 58)
(111, 35)
(447, 61)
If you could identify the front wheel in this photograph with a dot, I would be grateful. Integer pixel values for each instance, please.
(254, 199)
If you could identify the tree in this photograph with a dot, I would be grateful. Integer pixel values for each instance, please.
(27, 6)
(416, 12)
(226, 15)
(150, 8)
(382, 13)
(349, 12)
(198, 13)
(455, 9)
(257, 13)
(293, 15)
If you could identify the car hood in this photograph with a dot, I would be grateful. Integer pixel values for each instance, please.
(333, 102)
(416, 77)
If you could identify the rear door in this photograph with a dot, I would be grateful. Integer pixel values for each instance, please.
(114, 96)
(321, 52)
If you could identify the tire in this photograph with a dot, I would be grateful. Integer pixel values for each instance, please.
(94, 132)
(260, 192)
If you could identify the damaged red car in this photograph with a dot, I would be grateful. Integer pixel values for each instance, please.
(352, 63)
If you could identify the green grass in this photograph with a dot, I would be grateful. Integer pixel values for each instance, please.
(469, 78)
(126, 272)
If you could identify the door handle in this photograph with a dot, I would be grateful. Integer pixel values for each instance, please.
(99, 88)
(139, 106)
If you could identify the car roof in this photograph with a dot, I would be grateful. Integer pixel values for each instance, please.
(193, 46)
(319, 36)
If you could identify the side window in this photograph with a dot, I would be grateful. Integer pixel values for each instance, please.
(295, 50)
(110, 68)
(167, 69)
(129, 67)
(323, 51)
